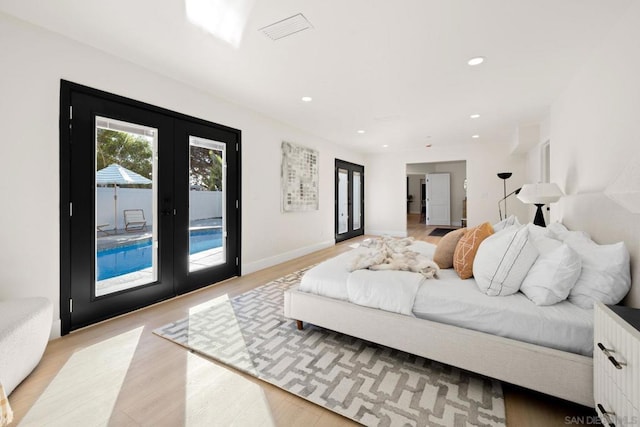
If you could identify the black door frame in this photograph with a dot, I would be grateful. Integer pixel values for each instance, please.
(67, 89)
(351, 168)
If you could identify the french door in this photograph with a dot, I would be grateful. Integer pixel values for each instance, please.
(149, 204)
(349, 200)
(207, 202)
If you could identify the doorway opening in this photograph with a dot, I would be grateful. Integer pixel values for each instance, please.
(449, 208)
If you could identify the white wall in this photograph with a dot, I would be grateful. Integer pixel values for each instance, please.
(595, 133)
(414, 190)
(534, 165)
(386, 173)
(33, 62)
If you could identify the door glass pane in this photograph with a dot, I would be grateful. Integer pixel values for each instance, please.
(207, 189)
(357, 201)
(343, 201)
(126, 198)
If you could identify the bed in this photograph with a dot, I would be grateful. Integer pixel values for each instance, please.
(514, 341)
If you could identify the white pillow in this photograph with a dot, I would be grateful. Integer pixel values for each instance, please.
(507, 222)
(561, 232)
(542, 239)
(557, 228)
(552, 276)
(503, 260)
(605, 273)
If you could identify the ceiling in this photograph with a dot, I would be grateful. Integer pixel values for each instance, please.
(395, 69)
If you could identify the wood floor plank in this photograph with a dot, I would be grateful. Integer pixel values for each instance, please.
(149, 381)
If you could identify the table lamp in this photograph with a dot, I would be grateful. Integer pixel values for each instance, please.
(540, 194)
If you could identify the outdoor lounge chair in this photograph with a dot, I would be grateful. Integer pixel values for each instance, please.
(102, 228)
(134, 220)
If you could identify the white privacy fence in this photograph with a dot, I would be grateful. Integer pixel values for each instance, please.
(202, 205)
(205, 205)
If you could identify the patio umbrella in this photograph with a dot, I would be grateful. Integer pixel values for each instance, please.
(115, 175)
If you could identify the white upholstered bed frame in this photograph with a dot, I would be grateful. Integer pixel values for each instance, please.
(558, 373)
(554, 372)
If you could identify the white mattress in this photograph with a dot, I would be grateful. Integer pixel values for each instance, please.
(562, 326)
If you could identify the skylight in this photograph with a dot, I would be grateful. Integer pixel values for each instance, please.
(224, 19)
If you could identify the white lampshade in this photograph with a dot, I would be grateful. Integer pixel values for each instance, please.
(541, 193)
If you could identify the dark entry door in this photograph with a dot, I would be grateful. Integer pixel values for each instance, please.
(349, 200)
(131, 234)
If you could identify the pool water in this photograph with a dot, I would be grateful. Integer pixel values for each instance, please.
(137, 256)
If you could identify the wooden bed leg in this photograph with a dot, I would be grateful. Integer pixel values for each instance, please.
(299, 325)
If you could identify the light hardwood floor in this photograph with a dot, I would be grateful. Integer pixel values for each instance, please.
(118, 373)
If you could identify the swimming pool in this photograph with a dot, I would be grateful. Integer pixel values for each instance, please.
(137, 256)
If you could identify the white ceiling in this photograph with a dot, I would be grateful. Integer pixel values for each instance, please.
(396, 69)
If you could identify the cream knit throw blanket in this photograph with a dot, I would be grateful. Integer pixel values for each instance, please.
(388, 253)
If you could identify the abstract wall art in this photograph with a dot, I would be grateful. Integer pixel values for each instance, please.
(299, 176)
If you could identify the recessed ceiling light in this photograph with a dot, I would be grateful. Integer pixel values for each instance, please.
(476, 60)
(474, 116)
(428, 145)
(361, 131)
(385, 145)
(307, 98)
(476, 136)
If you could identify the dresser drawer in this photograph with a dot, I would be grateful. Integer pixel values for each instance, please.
(612, 405)
(616, 352)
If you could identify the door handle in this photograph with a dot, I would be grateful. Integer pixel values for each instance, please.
(166, 209)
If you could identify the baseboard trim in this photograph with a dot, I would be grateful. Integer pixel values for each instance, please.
(394, 233)
(56, 327)
(280, 258)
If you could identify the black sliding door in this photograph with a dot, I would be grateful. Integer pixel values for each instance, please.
(149, 204)
(349, 200)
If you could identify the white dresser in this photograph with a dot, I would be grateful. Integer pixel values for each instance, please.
(616, 365)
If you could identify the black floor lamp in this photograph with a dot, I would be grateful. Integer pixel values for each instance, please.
(504, 176)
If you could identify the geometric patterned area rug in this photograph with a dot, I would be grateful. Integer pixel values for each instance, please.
(369, 383)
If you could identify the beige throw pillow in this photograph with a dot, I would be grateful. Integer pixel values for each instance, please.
(467, 248)
(443, 256)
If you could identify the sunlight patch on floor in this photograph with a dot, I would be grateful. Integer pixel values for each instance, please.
(208, 304)
(87, 386)
(225, 312)
(219, 396)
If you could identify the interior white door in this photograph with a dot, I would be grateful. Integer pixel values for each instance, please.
(438, 199)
